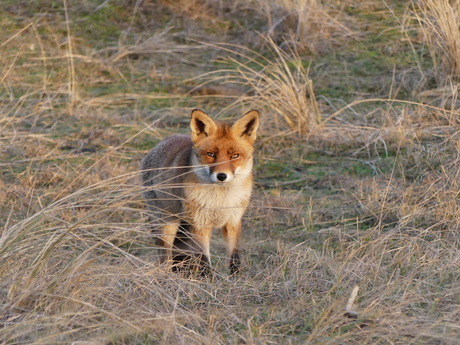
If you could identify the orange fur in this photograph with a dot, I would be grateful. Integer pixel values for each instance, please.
(212, 172)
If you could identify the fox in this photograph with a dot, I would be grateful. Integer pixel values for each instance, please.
(199, 182)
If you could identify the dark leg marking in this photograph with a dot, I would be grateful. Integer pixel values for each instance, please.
(235, 262)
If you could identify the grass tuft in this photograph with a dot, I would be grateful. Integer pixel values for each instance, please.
(439, 22)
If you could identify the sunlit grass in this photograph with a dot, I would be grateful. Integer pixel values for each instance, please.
(352, 236)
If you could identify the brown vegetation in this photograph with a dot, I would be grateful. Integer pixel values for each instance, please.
(353, 234)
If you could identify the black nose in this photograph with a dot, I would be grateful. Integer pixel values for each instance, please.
(221, 176)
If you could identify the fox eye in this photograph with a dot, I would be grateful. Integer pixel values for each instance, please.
(235, 155)
(211, 154)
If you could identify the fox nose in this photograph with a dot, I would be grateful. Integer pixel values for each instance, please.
(221, 177)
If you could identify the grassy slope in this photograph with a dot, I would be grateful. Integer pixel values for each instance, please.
(369, 199)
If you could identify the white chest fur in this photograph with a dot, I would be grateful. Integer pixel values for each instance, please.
(214, 205)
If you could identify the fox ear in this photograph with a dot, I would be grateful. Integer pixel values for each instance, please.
(246, 127)
(202, 125)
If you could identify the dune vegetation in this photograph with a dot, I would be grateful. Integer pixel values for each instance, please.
(353, 232)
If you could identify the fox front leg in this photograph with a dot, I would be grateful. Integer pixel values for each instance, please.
(202, 241)
(192, 249)
(232, 234)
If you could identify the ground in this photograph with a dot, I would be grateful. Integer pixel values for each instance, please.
(352, 235)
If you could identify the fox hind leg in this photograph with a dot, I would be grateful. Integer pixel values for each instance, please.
(165, 240)
(181, 246)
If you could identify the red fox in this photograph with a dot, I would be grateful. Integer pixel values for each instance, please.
(200, 182)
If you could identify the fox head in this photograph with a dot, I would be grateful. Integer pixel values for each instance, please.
(223, 152)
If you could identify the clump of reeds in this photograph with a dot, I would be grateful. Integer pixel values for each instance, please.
(278, 84)
(310, 25)
(439, 23)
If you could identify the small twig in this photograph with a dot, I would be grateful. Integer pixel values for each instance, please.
(349, 312)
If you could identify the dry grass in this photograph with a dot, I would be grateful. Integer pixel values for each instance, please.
(309, 25)
(439, 22)
(279, 85)
(353, 236)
